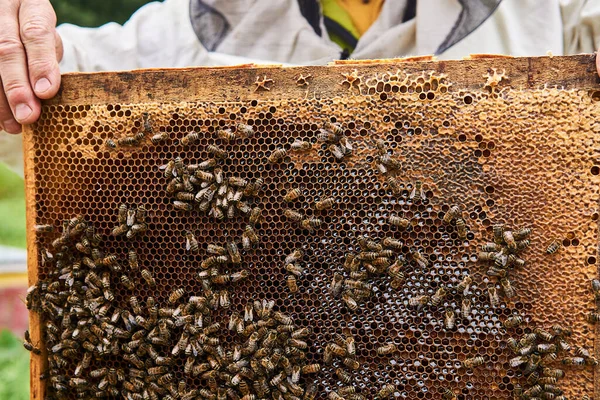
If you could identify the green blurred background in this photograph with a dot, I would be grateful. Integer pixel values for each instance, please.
(14, 359)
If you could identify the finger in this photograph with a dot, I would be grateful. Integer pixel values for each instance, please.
(13, 69)
(7, 122)
(598, 61)
(38, 34)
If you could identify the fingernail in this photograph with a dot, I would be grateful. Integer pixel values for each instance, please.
(11, 126)
(42, 85)
(22, 111)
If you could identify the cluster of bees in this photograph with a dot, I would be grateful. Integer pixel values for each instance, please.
(131, 222)
(84, 325)
(206, 188)
(503, 254)
(373, 259)
(536, 355)
(212, 268)
(331, 135)
(341, 353)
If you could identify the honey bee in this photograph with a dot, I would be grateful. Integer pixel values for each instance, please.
(249, 237)
(349, 301)
(494, 298)
(310, 224)
(392, 243)
(498, 230)
(464, 285)
(553, 247)
(44, 228)
(294, 256)
(133, 260)
(245, 130)
(449, 319)
(465, 308)
(333, 127)
(490, 247)
(474, 362)
(419, 301)
(574, 361)
(293, 215)
(486, 256)
(292, 195)
(255, 215)
(311, 369)
(513, 321)
(419, 258)
(438, 297)
(394, 185)
(182, 206)
(253, 188)
(509, 239)
(216, 151)
(325, 204)
(294, 269)
(452, 213)
(385, 392)
(110, 143)
(176, 295)
(129, 140)
(191, 244)
(522, 233)
(190, 139)
(507, 287)
(29, 346)
(553, 372)
(417, 194)
(292, 283)
(351, 363)
(159, 138)
(336, 151)
(125, 281)
(234, 252)
(277, 156)
(226, 135)
(327, 136)
(596, 288)
(301, 145)
(399, 222)
(387, 349)
(343, 376)
(593, 317)
(448, 394)
(224, 299)
(147, 276)
(461, 228)
(337, 284)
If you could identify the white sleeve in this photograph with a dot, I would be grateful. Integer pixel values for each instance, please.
(159, 34)
(581, 22)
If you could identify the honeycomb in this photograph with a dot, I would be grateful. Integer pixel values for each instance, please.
(503, 139)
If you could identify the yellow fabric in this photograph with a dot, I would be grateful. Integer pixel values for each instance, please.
(332, 10)
(362, 13)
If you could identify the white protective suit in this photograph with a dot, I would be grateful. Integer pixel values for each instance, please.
(226, 32)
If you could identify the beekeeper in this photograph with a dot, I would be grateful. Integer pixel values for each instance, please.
(183, 33)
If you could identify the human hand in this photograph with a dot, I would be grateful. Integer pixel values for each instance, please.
(30, 49)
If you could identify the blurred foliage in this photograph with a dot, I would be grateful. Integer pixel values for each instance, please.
(95, 13)
(14, 368)
(12, 209)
